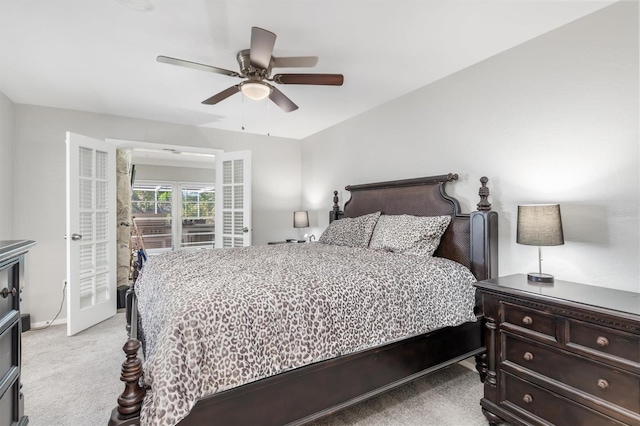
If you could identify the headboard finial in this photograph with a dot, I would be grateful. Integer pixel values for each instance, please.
(484, 205)
(335, 213)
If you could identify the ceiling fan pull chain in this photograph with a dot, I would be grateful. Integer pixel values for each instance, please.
(268, 120)
(242, 112)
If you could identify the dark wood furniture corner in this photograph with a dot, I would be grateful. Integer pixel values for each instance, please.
(562, 353)
(11, 281)
(285, 242)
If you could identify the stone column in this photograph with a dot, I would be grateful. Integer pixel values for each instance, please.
(123, 181)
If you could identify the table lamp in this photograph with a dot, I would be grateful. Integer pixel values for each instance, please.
(539, 225)
(301, 220)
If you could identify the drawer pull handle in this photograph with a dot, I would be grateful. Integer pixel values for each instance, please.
(528, 356)
(527, 320)
(528, 399)
(602, 341)
(603, 384)
(6, 292)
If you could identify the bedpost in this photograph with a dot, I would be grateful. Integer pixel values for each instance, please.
(483, 192)
(127, 413)
(484, 237)
(335, 213)
(484, 254)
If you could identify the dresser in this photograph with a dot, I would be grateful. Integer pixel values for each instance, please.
(11, 281)
(561, 353)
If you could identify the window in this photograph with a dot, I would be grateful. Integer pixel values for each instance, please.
(198, 215)
(151, 212)
(168, 212)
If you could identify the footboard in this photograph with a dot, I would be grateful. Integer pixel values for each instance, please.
(308, 393)
(314, 391)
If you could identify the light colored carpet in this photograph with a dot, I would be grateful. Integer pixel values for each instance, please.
(75, 381)
(72, 381)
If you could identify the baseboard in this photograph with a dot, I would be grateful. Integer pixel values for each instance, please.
(37, 325)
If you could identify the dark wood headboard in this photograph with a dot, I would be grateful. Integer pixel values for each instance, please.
(471, 239)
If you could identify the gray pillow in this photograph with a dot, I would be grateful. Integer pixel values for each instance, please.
(350, 231)
(408, 234)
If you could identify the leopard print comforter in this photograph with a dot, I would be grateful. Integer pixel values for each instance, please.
(212, 320)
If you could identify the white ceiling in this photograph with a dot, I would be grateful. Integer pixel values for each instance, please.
(100, 55)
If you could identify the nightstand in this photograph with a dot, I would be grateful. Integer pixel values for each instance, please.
(286, 242)
(562, 353)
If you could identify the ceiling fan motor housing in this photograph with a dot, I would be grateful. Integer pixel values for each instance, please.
(249, 70)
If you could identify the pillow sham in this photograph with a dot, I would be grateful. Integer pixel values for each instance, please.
(407, 234)
(350, 231)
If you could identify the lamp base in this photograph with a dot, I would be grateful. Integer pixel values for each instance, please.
(540, 277)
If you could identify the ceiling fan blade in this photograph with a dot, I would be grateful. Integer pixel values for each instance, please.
(295, 62)
(282, 101)
(262, 42)
(197, 66)
(222, 95)
(318, 79)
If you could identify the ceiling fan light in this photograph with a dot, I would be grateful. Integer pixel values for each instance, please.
(255, 90)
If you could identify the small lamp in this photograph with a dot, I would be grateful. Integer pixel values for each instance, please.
(301, 220)
(539, 225)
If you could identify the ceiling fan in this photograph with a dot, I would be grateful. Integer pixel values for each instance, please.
(256, 64)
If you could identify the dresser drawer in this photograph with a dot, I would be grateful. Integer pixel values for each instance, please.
(9, 400)
(603, 341)
(7, 304)
(528, 319)
(545, 406)
(607, 383)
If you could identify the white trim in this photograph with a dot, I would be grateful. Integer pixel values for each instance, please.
(121, 143)
(159, 154)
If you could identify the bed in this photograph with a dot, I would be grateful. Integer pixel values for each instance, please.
(316, 381)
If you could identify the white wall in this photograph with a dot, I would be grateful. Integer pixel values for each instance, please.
(39, 192)
(552, 120)
(7, 136)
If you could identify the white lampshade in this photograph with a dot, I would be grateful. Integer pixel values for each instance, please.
(255, 90)
(301, 219)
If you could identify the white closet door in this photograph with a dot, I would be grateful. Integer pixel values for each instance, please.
(91, 232)
(233, 199)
